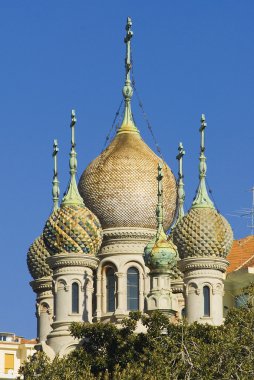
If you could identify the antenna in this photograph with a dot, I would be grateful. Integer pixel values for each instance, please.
(247, 213)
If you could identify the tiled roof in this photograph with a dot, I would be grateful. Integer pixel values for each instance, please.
(241, 254)
(28, 341)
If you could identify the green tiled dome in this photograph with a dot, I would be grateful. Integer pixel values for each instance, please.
(73, 228)
(36, 259)
(161, 253)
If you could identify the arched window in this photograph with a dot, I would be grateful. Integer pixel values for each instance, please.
(110, 286)
(206, 294)
(132, 289)
(75, 298)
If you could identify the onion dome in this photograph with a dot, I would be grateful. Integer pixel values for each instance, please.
(160, 254)
(203, 231)
(38, 252)
(36, 259)
(118, 186)
(73, 228)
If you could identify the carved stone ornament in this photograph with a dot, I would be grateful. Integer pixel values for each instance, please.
(74, 260)
(125, 240)
(217, 263)
(141, 234)
(41, 285)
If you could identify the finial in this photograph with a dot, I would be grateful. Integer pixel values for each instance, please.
(180, 184)
(159, 209)
(128, 125)
(72, 196)
(127, 41)
(73, 123)
(55, 182)
(202, 198)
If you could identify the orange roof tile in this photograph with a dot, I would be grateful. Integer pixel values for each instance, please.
(241, 254)
(28, 341)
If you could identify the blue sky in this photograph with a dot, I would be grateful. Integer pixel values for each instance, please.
(190, 57)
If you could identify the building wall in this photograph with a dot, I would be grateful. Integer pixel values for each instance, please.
(20, 351)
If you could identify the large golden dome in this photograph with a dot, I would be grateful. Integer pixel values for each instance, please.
(120, 185)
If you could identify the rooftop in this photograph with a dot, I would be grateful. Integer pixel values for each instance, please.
(241, 254)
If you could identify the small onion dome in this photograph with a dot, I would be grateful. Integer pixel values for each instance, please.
(161, 254)
(73, 229)
(203, 231)
(36, 259)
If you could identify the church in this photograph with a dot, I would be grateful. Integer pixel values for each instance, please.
(121, 241)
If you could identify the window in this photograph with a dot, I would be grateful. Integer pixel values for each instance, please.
(132, 289)
(75, 298)
(206, 294)
(8, 363)
(110, 287)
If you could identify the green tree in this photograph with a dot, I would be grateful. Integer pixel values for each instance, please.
(165, 351)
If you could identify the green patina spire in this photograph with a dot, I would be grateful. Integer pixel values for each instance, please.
(72, 196)
(128, 125)
(159, 209)
(160, 253)
(180, 184)
(202, 198)
(55, 182)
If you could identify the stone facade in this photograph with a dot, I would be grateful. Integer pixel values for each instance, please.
(78, 276)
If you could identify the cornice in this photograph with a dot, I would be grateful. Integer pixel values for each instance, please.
(42, 284)
(72, 260)
(114, 248)
(143, 234)
(197, 263)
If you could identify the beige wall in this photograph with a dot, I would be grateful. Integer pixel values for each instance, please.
(20, 351)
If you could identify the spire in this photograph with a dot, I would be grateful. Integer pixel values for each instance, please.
(202, 198)
(180, 184)
(72, 196)
(55, 182)
(128, 125)
(159, 209)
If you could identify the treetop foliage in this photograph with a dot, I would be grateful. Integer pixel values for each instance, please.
(166, 351)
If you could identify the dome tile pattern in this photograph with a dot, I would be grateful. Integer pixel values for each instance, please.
(36, 259)
(120, 185)
(203, 232)
(73, 229)
(162, 256)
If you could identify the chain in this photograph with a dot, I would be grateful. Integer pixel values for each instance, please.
(143, 111)
(211, 193)
(115, 123)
